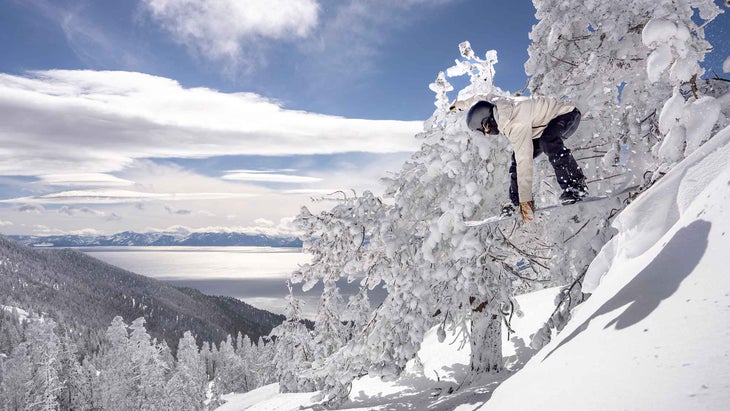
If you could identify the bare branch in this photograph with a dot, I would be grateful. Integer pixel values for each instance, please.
(563, 61)
(605, 178)
(588, 158)
(523, 252)
(577, 232)
(718, 77)
(514, 272)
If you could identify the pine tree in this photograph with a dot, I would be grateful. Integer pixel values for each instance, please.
(230, 370)
(292, 352)
(16, 375)
(186, 389)
(246, 352)
(116, 373)
(92, 385)
(435, 270)
(148, 368)
(73, 395)
(43, 350)
(264, 362)
(619, 64)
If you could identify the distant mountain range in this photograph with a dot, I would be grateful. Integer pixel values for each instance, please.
(86, 294)
(129, 238)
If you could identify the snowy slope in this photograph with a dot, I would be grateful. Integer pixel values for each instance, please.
(655, 334)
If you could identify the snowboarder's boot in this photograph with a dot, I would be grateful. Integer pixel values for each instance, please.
(507, 210)
(574, 193)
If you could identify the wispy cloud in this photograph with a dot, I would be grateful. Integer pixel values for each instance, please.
(100, 122)
(177, 211)
(72, 211)
(109, 196)
(83, 180)
(243, 175)
(31, 208)
(356, 31)
(95, 45)
(228, 30)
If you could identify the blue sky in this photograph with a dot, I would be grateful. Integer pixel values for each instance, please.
(371, 61)
(225, 115)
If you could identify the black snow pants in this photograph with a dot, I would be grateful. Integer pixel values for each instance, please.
(567, 171)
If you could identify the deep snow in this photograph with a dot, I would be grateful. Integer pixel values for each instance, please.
(654, 335)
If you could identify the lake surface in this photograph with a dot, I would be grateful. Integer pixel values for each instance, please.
(256, 275)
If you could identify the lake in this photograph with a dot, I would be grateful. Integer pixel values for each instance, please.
(256, 275)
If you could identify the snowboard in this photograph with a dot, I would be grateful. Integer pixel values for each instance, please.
(539, 210)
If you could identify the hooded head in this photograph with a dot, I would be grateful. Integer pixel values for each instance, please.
(480, 118)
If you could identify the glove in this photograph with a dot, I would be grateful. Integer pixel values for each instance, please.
(527, 208)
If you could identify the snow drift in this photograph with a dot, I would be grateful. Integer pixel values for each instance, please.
(654, 334)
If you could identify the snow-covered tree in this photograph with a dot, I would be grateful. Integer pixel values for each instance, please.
(43, 348)
(73, 395)
(148, 368)
(414, 243)
(186, 389)
(116, 373)
(338, 240)
(264, 366)
(292, 355)
(92, 385)
(633, 72)
(439, 272)
(620, 64)
(247, 352)
(16, 374)
(230, 369)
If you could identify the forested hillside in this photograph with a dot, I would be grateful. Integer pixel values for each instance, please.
(86, 294)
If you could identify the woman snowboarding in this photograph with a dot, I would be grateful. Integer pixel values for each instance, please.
(533, 125)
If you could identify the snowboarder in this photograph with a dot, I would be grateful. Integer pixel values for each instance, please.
(533, 125)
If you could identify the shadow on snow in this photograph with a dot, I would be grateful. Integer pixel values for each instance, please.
(656, 282)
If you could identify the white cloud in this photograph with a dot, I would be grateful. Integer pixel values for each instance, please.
(312, 191)
(270, 171)
(110, 196)
(285, 227)
(264, 222)
(171, 210)
(86, 232)
(87, 179)
(176, 229)
(225, 29)
(42, 230)
(99, 122)
(31, 208)
(114, 217)
(241, 175)
(5, 223)
(72, 211)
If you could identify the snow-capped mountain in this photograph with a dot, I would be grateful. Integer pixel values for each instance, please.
(130, 238)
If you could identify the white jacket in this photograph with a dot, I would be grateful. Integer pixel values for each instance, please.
(522, 119)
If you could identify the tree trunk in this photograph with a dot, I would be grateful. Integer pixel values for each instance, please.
(486, 343)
